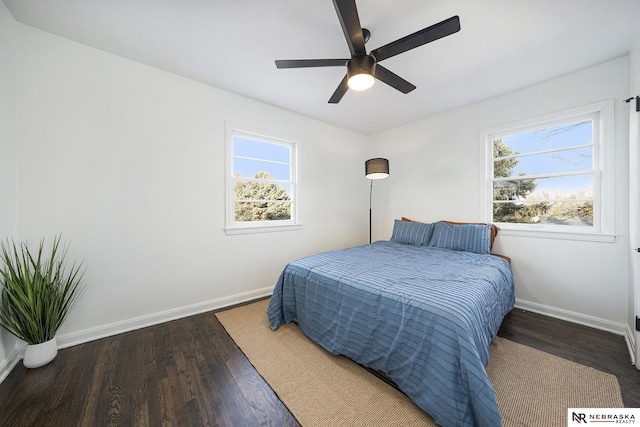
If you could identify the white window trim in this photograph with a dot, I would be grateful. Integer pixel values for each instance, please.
(604, 166)
(231, 226)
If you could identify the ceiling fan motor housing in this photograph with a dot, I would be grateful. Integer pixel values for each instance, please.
(361, 64)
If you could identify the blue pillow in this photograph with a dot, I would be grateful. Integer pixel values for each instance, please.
(462, 237)
(411, 233)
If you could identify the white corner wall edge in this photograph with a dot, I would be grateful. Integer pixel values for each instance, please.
(69, 340)
(581, 319)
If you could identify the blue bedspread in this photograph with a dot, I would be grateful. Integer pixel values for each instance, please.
(424, 316)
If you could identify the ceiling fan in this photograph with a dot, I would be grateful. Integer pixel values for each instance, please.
(363, 68)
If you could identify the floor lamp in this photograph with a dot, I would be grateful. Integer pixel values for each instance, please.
(375, 169)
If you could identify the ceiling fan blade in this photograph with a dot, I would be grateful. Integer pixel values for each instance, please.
(303, 63)
(424, 36)
(393, 79)
(350, 23)
(340, 91)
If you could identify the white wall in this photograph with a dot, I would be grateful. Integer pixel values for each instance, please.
(127, 162)
(436, 174)
(8, 33)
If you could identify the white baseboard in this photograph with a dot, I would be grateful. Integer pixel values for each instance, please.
(8, 363)
(582, 319)
(629, 337)
(115, 328)
(571, 316)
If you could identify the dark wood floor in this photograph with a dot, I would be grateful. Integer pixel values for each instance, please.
(190, 373)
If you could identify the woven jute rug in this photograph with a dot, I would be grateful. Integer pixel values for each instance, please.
(533, 388)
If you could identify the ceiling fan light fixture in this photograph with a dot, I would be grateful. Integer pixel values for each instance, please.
(362, 81)
(361, 72)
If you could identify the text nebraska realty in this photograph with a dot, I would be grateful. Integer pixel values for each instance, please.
(604, 418)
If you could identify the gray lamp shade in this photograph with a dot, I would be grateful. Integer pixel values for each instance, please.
(376, 168)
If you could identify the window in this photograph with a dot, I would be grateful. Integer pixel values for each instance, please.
(552, 174)
(261, 181)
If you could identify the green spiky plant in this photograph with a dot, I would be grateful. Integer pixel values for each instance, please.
(37, 292)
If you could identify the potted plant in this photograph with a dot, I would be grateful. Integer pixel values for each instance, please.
(38, 292)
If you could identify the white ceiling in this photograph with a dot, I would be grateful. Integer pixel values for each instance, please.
(503, 45)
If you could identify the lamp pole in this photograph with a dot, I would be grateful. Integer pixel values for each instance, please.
(370, 191)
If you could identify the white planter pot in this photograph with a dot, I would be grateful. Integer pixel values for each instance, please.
(38, 355)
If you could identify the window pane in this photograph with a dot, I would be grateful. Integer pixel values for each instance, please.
(245, 147)
(558, 188)
(262, 211)
(552, 138)
(575, 213)
(262, 201)
(261, 191)
(246, 168)
(574, 160)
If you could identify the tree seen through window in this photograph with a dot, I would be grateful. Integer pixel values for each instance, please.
(545, 176)
(261, 199)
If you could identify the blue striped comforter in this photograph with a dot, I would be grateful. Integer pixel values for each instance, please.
(425, 316)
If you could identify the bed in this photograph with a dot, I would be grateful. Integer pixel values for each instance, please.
(422, 308)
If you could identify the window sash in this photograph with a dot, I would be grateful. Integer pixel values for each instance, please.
(568, 160)
(237, 176)
(601, 116)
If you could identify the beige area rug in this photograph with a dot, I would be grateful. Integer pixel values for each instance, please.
(533, 388)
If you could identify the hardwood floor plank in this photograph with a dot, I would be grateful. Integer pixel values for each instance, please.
(167, 404)
(189, 372)
(94, 382)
